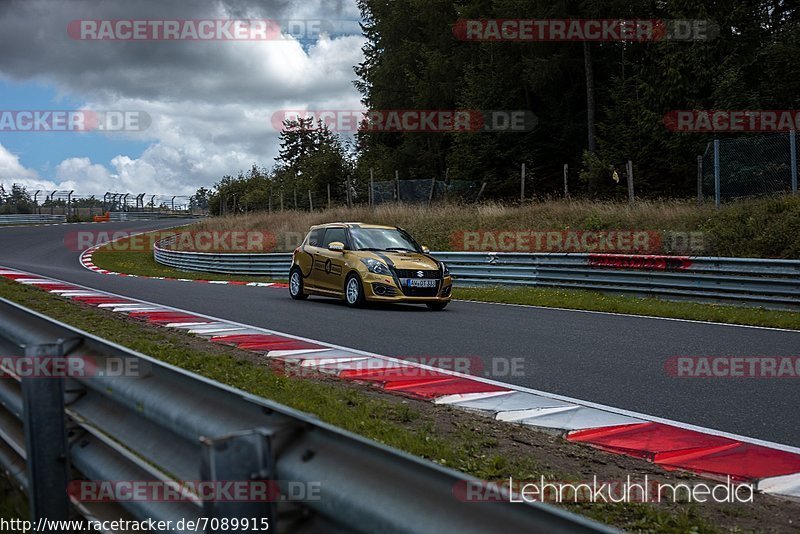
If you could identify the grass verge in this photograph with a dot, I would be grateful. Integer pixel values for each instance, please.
(462, 440)
(577, 299)
(134, 255)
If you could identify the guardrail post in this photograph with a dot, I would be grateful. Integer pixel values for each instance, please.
(45, 437)
(243, 457)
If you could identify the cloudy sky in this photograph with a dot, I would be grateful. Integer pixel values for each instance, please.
(210, 102)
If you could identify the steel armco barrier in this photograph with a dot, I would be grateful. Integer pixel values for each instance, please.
(31, 218)
(143, 215)
(761, 282)
(161, 423)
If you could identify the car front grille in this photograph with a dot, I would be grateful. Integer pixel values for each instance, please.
(414, 273)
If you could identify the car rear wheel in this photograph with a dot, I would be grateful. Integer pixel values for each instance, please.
(353, 291)
(296, 285)
(437, 306)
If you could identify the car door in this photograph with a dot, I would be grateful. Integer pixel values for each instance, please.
(329, 264)
(309, 250)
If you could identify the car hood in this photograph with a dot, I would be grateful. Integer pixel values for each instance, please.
(406, 260)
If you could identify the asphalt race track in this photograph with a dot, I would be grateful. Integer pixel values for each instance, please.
(610, 359)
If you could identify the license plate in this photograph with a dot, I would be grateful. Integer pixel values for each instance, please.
(420, 282)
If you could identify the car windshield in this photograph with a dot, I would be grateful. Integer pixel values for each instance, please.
(382, 239)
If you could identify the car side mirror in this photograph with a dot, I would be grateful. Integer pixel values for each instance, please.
(336, 246)
(425, 250)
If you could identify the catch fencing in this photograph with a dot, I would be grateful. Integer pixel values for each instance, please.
(164, 424)
(421, 190)
(760, 282)
(737, 167)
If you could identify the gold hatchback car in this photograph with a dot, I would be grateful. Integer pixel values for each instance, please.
(365, 262)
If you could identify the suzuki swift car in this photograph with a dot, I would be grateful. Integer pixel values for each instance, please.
(365, 262)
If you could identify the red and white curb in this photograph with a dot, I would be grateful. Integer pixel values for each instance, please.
(773, 468)
(86, 261)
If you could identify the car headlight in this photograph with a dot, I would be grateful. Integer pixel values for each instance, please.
(375, 266)
(445, 270)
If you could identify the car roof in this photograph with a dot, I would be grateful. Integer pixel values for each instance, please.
(352, 225)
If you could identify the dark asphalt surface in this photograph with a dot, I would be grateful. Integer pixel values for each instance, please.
(609, 359)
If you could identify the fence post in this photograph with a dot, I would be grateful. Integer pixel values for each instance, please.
(281, 199)
(433, 187)
(371, 198)
(793, 155)
(269, 202)
(566, 183)
(46, 438)
(522, 184)
(716, 174)
(329, 196)
(699, 180)
(295, 197)
(483, 186)
(631, 195)
(397, 184)
(310, 202)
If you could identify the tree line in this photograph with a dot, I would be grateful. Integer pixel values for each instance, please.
(598, 104)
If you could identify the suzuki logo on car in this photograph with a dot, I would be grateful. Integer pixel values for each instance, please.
(420, 274)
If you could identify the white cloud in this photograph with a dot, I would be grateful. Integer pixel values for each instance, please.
(12, 171)
(210, 102)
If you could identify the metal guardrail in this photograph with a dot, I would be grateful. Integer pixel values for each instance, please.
(31, 218)
(165, 424)
(762, 282)
(143, 215)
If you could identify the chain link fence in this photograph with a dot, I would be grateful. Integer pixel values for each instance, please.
(738, 167)
(416, 191)
(17, 199)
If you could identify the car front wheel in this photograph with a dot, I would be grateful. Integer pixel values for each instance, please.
(296, 285)
(353, 291)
